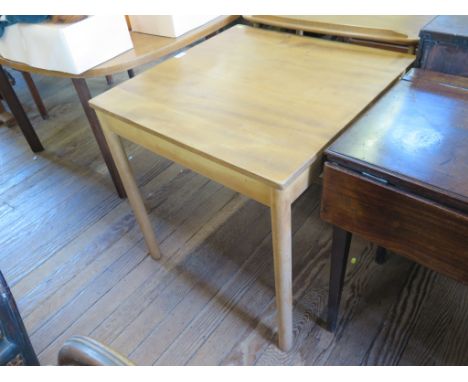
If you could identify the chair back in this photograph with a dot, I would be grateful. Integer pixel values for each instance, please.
(15, 346)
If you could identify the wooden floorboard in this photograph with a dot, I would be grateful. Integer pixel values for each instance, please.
(77, 264)
(446, 307)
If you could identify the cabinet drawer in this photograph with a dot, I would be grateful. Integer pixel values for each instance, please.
(426, 232)
(444, 58)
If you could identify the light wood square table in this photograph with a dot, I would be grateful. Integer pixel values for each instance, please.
(252, 110)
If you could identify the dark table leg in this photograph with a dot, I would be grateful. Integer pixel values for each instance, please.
(17, 110)
(84, 94)
(35, 94)
(109, 80)
(339, 258)
(380, 255)
(130, 73)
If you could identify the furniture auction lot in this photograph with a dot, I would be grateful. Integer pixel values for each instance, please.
(250, 160)
(257, 126)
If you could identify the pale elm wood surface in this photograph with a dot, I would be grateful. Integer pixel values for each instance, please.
(262, 103)
(395, 29)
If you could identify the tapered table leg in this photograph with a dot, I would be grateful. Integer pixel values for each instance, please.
(18, 112)
(85, 95)
(134, 196)
(35, 94)
(282, 248)
(339, 258)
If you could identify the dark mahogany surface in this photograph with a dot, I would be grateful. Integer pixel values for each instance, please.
(415, 136)
(450, 26)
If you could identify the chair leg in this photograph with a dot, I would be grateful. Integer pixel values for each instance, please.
(35, 94)
(17, 110)
(109, 80)
(131, 73)
(339, 257)
(84, 94)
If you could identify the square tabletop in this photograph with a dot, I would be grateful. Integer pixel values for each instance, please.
(260, 102)
(416, 135)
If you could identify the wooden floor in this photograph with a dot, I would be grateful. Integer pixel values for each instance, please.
(77, 264)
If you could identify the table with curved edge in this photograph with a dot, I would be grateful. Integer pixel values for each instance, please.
(253, 110)
(401, 31)
(146, 48)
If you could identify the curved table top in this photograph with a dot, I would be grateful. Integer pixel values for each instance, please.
(400, 30)
(146, 48)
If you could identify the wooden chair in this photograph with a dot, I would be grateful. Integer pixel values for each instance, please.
(84, 351)
(16, 348)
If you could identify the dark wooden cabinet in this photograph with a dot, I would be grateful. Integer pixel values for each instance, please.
(443, 45)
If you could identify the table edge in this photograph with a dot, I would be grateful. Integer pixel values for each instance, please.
(277, 185)
(360, 32)
(176, 44)
(439, 195)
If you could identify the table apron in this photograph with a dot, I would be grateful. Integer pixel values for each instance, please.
(420, 229)
(250, 187)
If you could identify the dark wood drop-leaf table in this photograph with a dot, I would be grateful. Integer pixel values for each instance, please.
(398, 177)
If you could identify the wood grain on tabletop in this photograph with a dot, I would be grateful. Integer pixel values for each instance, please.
(261, 102)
